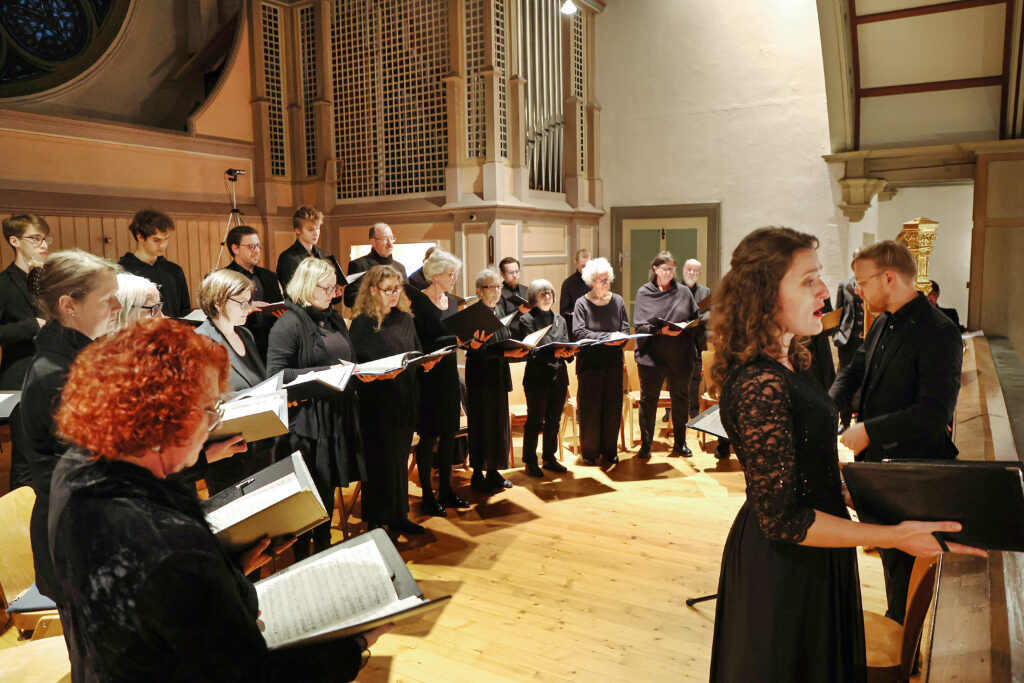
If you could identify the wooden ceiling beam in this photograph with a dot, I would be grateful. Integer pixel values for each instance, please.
(922, 11)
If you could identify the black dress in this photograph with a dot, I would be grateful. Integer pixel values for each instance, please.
(326, 430)
(440, 394)
(786, 612)
(488, 381)
(388, 410)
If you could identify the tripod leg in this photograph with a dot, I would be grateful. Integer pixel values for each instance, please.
(690, 602)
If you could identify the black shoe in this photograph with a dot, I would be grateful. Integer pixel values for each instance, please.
(479, 483)
(682, 450)
(667, 416)
(589, 461)
(644, 453)
(533, 470)
(552, 465)
(497, 482)
(407, 527)
(450, 500)
(433, 508)
(611, 460)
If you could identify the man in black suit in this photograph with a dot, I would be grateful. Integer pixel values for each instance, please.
(950, 313)
(848, 337)
(573, 287)
(152, 232)
(306, 221)
(382, 244)
(691, 273)
(510, 269)
(243, 243)
(908, 373)
(29, 236)
(417, 279)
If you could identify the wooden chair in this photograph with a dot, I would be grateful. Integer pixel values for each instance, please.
(17, 573)
(569, 415)
(891, 648)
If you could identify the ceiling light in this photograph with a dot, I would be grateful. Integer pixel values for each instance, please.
(568, 7)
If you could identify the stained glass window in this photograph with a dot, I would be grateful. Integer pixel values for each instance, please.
(46, 42)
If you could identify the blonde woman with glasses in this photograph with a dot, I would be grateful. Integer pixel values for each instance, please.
(310, 335)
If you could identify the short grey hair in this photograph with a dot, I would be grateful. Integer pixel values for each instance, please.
(485, 276)
(595, 267)
(373, 229)
(440, 262)
(538, 287)
(131, 292)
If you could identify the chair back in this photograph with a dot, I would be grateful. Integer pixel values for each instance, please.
(919, 599)
(574, 381)
(17, 572)
(517, 397)
(707, 358)
(632, 374)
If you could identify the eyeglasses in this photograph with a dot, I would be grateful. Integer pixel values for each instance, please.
(511, 272)
(546, 294)
(215, 412)
(860, 283)
(244, 305)
(154, 310)
(331, 291)
(36, 240)
(392, 291)
(391, 239)
(491, 287)
(667, 269)
(601, 280)
(252, 247)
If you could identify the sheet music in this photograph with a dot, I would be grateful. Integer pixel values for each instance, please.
(195, 316)
(7, 396)
(336, 376)
(508, 318)
(267, 386)
(342, 588)
(534, 337)
(619, 336)
(252, 502)
(709, 421)
(252, 405)
(382, 366)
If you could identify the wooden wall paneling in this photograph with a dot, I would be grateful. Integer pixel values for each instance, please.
(123, 237)
(195, 266)
(205, 257)
(109, 230)
(95, 224)
(82, 233)
(67, 232)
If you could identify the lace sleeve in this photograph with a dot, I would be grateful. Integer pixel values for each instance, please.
(757, 416)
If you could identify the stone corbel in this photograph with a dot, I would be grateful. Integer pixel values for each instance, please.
(857, 194)
(887, 193)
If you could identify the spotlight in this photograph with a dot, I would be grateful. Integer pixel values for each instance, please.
(569, 7)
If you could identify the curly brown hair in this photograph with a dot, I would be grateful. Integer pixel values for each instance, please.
(746, 304)
(367, 304)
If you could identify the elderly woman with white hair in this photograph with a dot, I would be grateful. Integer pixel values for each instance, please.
(440, 390)
(140, 299)
(545, 379)
(597, 315)
(488, 381)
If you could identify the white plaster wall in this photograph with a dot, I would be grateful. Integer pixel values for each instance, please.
(719, 101)
(952, 206)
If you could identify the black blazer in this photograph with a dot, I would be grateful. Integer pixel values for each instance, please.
(543, 368)
(907, 402)
(289, 260)
(18, 325)
(241, 376)
(363, 264)
(851, 325)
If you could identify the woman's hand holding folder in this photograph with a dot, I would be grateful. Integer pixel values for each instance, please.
(262, 552)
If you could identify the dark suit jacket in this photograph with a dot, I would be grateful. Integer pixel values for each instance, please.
(240, 376)
(419, 280)
(269, 290)
(851, 324)
(363, 264)
(18, 326)
(907, 402)
(700, 292)
(289, 260)
(573, 287)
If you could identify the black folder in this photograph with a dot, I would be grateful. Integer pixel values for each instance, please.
(474, 318)
(987, 498)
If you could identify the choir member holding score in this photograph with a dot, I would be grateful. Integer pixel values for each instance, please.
(789, 603)
(226, 298)
(388, 404)
(310, 335)
(488, 381)
(150, 592)
(667, 355)
(545, 380)
(597, 315)
(440, 393)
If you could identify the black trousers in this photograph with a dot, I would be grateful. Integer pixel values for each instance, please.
(427, 459)
(544, 405)
(651, 379)
(845, 354)
(599, 402)
(896, 568)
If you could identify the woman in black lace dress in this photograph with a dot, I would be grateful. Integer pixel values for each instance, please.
(788, 596)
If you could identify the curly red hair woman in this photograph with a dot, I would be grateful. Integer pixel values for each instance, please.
(148, 592)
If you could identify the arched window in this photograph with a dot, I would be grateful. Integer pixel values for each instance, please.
(44, 43)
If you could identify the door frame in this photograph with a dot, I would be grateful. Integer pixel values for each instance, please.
(712, 212)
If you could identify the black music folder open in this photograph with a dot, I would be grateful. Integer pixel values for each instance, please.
(475, 318)
(986, 497)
